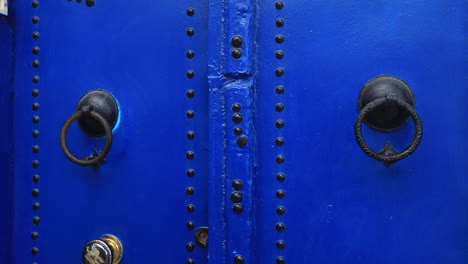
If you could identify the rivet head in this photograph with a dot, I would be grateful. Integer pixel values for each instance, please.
(35, 106)
(236, 107)
(190, 93)
(279, 141)
(190, 190)
(190, 32)
(280, 193)
(35, 235)
(190, 74)
(190, 12)
(279, 124)
(190, 155)
(190, 135)
(190, 114)
(238, 130)
(36, 206)
(36, 35)
(35, 19)
(36, 220)
(237, 184)
(36, 50)
(36, 64)
(190, 208)
(279, 54)
(280, 159)
(279, 72)
(280, 260)
(190, 247)
(242, 141)
(281, 177)
(239, 259)
(36, 119)
(36, 79)
(36, 133)
(35, 251)
(279, 89)
(35, 193)
(90, 3)
(190, 261)
(236, 197)
(35, 164)
(279, 107)
(35, 4)
(280, 38)
(36, 178)
(280, 210)
(280, 227)
(279, 22)
(35, 149)
(190, 172)
(236, 41)
(236, 53)
(190, 225)
(280, 244)
(190, 54)
(237, 118)
(279, 5)
(35, 92)
(238, 208)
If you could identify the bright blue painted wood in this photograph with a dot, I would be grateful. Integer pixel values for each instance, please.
(341, 205)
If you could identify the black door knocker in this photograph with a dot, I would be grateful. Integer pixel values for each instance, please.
(97, 114)
(386, 103)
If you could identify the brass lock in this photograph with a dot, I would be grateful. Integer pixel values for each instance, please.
(105, 250)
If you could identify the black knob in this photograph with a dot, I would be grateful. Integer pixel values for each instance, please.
(386, 103)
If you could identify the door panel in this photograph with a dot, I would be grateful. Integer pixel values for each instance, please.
(340, 205)
(137, 52)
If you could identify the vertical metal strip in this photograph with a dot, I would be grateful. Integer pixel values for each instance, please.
(232, 132)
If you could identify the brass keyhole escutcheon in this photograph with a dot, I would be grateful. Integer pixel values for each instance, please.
(105, 250)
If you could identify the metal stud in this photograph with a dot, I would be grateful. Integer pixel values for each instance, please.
(190, 190)
(242, 141)
(280, 38)
(281, 177)
(36, 206)
(190, 12)
(190, 208)
(35, 193)
(238, 130)
(236, 197)
(280, 194)
(279, 72)
(35, 235)
(279, 124)
(279, 107)
(279, 141)
(190, 93)
(236, 41)
(190, 74)
(280, 244)
(280, 227)
(280, 89)
(35, 106)
(35, 92)
(35, 251)
(190, 155)
(279, 5)
(36, 35)
(35, 4)
(190, 261)
(280, 260)
(36, 79)
(36, 220)
(236, 53)
(237, 118)
(190, 32)
(279, 22)
(190, 54)
(90, 3)
(236, 107)
(35, 149)
(35, 164)
(190, 135)
(36, 133)
(36, 119)
(238, 208)
(190, 114)
(36, 63)
(190, 247)
(36, 178)
(280, 210)
(190, 225)
(239, 259)
(280, 159)
(279, 54)
(35, 19)
(237, 184)
(190, 172)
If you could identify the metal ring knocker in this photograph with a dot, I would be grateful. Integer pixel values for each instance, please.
(86, 161)
(97, 114)
(387, 103)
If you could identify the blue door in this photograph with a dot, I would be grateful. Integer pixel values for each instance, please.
(243, 131)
